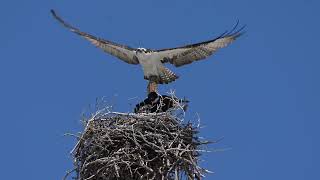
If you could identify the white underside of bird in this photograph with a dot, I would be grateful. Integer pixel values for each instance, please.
(153, 68)
(150, 64)
(152, 61)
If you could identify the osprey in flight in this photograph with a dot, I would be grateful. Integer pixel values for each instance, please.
(152, 61)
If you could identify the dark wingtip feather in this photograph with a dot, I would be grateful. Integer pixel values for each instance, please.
(235, 31)
(64, 23)
(52, 12)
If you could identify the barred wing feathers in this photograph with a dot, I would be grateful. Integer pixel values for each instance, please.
(122, 52)
(187, 54)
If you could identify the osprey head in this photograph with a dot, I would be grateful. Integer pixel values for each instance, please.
(143, 50)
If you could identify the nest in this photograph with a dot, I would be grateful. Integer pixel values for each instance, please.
(122, 146)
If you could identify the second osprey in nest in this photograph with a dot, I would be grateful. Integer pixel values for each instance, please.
(152, 61)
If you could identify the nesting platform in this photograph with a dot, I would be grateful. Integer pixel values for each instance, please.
(121, 146)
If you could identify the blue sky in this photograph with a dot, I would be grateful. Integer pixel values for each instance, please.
(261, 93)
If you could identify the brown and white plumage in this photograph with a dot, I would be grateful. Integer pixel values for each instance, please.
(152, 60)
(122, 52)
(187, 54)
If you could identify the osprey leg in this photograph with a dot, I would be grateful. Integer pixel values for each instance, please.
(152, 87)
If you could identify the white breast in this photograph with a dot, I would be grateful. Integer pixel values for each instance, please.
(149, 63)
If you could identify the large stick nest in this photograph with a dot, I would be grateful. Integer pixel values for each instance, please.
(138, 146)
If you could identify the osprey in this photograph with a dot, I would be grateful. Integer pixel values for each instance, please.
(152, 61)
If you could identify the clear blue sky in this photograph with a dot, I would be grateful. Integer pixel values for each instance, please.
(261, 93)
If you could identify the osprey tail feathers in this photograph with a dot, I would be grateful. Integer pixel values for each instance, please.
(166, 75)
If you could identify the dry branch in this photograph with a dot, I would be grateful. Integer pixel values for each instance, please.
(129, 146)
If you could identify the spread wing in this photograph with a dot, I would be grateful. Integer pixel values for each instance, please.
(187, 54)
(122, 52)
